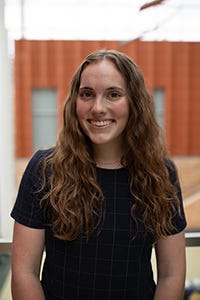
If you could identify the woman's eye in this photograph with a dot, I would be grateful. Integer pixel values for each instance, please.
(86, 95)
(113, 96)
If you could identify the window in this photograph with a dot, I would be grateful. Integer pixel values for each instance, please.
(44, 118)
(159, 98)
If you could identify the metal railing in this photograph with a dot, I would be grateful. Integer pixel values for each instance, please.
(192, 238)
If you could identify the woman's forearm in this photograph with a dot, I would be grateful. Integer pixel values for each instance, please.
(27, 287)
(169, 289)
(171, 267)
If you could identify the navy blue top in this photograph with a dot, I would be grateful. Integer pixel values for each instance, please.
(112, 265)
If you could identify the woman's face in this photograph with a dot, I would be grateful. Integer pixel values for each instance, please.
(102, 105)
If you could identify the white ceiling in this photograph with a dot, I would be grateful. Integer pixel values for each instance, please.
(173, 20)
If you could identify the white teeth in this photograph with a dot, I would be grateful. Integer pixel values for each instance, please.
(100, 123)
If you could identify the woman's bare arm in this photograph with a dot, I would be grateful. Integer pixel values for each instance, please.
(171, 266)
(27, 250)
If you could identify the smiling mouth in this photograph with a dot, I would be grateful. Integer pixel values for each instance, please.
(101, 123)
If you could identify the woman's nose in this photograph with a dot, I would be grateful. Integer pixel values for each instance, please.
(99, 105)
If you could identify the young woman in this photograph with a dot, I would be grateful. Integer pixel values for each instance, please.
(102, 198)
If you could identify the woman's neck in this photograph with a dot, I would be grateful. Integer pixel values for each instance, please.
(109, 164)
(107, 157)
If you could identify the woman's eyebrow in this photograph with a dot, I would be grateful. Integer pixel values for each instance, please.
(115, 88)
(85, 88)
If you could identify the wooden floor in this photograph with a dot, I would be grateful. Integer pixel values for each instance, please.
(189, 174)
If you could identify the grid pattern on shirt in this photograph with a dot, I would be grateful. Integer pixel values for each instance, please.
(111, 265)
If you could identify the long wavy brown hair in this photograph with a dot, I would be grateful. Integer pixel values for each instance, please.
(74, 200)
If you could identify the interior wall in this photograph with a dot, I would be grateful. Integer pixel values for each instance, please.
(173, 66)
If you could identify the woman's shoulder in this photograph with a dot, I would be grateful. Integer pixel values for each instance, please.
(35, 163)
(42, 153)
(172, 171)
(170, 165)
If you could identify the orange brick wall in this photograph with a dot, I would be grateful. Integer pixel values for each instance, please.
(172, 66)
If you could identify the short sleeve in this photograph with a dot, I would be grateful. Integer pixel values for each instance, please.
(27, 209)
(179, 220)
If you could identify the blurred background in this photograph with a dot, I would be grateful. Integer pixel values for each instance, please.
(42, 42)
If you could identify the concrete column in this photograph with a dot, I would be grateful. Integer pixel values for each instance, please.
(7, 161)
